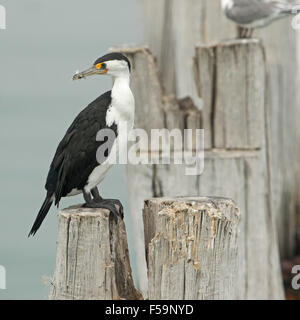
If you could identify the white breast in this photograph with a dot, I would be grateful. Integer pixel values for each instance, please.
(98, 174)
(121, 110)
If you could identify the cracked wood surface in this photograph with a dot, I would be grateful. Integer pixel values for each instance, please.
(92, 260)
(230, 77)
(191, 248)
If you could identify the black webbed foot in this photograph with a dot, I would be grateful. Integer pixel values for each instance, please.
(107, 204)
(99, 202)
(116, 202)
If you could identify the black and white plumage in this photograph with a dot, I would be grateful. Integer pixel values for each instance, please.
(252, 14)
(75, 168)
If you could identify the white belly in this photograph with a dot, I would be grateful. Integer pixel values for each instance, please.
(74, 192)
(99, 172)
(97, 175)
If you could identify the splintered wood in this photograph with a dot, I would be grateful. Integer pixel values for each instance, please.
(191, 248)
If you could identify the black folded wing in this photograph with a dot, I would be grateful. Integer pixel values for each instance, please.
(75, 157)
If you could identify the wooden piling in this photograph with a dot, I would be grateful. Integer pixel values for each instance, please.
(92, 260)
(191, 248)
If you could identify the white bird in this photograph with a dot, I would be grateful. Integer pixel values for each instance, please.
(252, 14)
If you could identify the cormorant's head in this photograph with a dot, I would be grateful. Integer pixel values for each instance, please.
(114, 64)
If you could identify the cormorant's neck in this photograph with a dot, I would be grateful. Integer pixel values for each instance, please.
(122, 101)
(121, 86)
(121, 80)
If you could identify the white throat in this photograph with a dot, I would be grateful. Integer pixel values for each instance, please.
(121, 84)
(122, 102)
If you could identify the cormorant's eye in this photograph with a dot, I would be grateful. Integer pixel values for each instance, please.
(100, 66)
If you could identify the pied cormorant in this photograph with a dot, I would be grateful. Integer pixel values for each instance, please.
(251, 14)
(74, 168)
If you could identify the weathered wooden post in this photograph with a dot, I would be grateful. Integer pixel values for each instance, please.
(92, 260)
(192, 248)
(237, 164)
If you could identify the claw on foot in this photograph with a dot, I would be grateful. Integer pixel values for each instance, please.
(109, 204)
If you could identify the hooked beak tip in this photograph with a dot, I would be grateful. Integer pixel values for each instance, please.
(84, 74)
(77, 76)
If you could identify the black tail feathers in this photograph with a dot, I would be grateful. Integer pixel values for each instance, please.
(41, 215)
